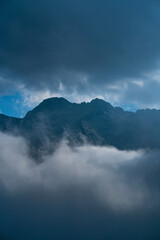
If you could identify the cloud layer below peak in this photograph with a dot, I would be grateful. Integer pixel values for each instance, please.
(77, 188)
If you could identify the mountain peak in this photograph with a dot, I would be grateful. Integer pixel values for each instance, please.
(97, 100)
(55, 100)
(49, 105)
(59, 104)
(101, 103)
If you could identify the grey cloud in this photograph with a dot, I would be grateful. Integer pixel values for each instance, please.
(43, 43)
(144, 93)
(76, 193)
(103, 170)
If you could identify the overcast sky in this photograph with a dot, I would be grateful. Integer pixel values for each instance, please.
(79, 50)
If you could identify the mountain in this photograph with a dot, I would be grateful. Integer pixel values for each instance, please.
(96, 122)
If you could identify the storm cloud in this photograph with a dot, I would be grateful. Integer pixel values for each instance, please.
(89, 47)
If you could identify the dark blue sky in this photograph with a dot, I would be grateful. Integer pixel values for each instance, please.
(79, 50)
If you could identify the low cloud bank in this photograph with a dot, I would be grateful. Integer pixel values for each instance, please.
(86, 192)
(120, 180)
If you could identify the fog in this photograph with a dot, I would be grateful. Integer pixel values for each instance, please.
(78, 193)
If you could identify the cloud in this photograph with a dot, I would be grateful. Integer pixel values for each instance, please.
(104, 170)
(80, 192)
(84, 46)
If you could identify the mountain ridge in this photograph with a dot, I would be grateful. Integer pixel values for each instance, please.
(96, 100)
(98, 122)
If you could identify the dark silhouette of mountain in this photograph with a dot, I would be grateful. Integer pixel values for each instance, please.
(97, 122)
